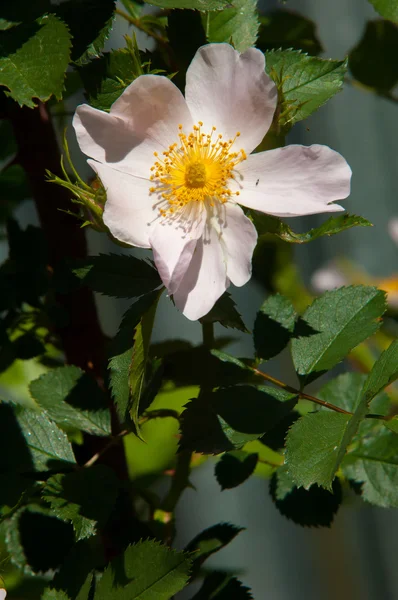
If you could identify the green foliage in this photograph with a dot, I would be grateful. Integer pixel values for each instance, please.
(84, 498)
(50, 594)
(202, 5)
(386, 8)
(304, 82)
(34, 58)
(73, 400)
(273, 327)
(340, 320)
(146, 570)
(224, 312)
(268, 224)
(286, 29)
(209, 541)
(234, 468)
(237, 24)
(384, 372)
(117, 275)
(220, 586)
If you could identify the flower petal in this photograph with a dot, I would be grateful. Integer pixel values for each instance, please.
(143, 120)
(205, 280)
(129, 210)
(293, 181)
(232, 92)
(174, 244)
(238, 239)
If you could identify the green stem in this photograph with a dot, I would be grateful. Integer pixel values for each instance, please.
(137, 23)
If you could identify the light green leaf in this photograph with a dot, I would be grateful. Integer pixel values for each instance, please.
(386, 8)
(340, 319)
(34, 58)
(375, 464)
(267, 224)
(85, 589)
(146, 571)
(73, 400)
(238, 24)
(304, 82)
(274, 326)
(50, 594)
(84, 498)
(202, 5)
(384, 372)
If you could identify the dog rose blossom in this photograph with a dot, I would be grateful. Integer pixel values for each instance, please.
(176, 170)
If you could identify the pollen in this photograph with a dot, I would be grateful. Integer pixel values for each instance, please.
(199, 168)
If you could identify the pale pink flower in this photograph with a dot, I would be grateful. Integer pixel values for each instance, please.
(3, 594)
(176, 169)
(393, 229)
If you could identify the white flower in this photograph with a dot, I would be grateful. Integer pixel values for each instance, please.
(3, 594)
(175, 170)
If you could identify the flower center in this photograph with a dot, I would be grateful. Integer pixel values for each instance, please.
(197, 169)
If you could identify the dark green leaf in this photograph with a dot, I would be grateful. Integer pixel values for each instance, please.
(372, 61)
(386, 8)
(77, 569)
(224, 312)
(211, 540)
(342, 319)
(117, 275)
(304, 82)
(34, 58)
(315, 507)
(84, 498)
(374, 463)
(268, 224)
(73, 400)
(201, 5)
(28, 346)
(237, 24)
(220, 586)
(384, 372)
(274, 326)
(121, 353)
(14, 189)
(392, 424)
(275, 438)
(84, 593)
(234, 468)
(286, 29)
(185, 34)
(146, 571)
(51, 594)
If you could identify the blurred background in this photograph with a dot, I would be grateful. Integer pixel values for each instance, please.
(355, 558)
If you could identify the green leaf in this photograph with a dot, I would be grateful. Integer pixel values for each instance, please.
(384, 372)
(230, 417)
(392, 424)
(34, 58)
(267, 224)
(374, 463)
(315, 507)
(341, 319)
(275, 438)
(286, 29)
(146, 570)
(121, 353)
(224, 312)
(211, 540)
(139, 359)
(202, 5)
(304, 82)
(238, 24)
(84, 592)
(221, 586)
(84, 498)
(372, 61)
(273, 327)
(234, 468)
(117, 275)
(386, 8)
(51, 594)
(73, 400)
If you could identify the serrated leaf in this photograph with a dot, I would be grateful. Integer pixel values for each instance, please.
(51, 594)
(237, 24)
(84, 592)
(34, 58)
(84, 498)
(224, 312)
(117, 275)
(315, 507)
(234, 468)
(285, 29)
(384, 372)
(304, 82)
(372, 61)
(121, 353)
(274, 326)
(342, 319)
(211, 540)
(202, 5)
(146, 570)
(374, 463)
(73, 400)
(220, 586)
(386, 8)
(267, 224)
